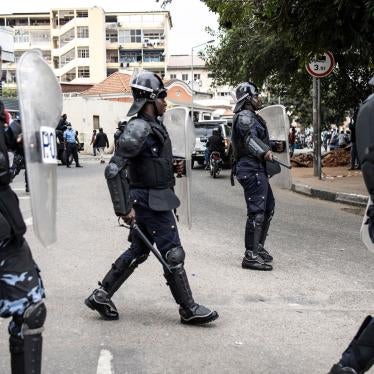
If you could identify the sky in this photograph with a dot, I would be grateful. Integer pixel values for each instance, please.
(189, 17)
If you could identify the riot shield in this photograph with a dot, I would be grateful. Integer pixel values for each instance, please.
(40, 102)
(278, 125)
(182, 135)
(365, 237)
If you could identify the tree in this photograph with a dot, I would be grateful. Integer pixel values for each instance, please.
(270, 41)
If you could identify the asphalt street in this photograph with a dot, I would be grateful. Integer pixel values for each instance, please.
(296, 319)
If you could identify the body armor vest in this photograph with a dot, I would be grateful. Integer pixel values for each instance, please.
(154, 172)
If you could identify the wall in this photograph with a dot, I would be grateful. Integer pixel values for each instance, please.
(80, 112)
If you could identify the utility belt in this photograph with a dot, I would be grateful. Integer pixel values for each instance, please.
(151, 173)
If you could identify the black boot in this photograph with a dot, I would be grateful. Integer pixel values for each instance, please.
(189, 311)
(264, 254)
(358, 358)
(17, 361)
(100, 299)
(253, 231)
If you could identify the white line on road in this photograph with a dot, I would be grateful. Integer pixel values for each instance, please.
(104, 365)
(28, 221)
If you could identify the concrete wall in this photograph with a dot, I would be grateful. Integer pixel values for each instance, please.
(81, 112)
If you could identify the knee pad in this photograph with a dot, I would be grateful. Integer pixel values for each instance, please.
(175, 257)
(256, 220)
(33, 319)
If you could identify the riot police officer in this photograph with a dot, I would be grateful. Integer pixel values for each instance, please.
(140, 179)
(252, 148)
(21, 289)
(359, 356)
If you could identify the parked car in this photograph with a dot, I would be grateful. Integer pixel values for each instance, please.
(204, 130)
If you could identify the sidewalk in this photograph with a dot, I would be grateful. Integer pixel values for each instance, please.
(337, 184)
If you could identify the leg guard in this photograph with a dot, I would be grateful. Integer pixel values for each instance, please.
(190, 312)
(26, 340)
(100, 299)
(359, 356)
(253, 232)
(265, 255)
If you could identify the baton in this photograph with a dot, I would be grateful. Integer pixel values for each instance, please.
(148, 244)
(276, 159)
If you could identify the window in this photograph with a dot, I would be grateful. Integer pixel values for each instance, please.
(83, 52)
(21, 36)
(40, 36)
(130, 56)
(83, 72)
(210, 75)
(96, 122)
(130, 36)
(111, 36)
(154, 56)
(82, 13)
(196, 76)
(82, 32)
(112, 56)
(69, 76)
(67, 57)
(184, 77)
(67, 37)
(173, 76)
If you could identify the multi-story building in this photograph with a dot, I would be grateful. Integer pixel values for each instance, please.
(86, 45)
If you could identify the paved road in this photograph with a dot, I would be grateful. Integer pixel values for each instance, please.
(296, 319)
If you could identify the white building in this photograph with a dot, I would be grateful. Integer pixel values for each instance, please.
(85, 45)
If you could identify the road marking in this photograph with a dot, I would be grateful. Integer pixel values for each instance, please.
(28, 221)
(104, 365)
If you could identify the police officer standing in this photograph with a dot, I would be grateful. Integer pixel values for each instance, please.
(71, 146)
(252, 148)
(140, 178)
(21, 290)
(358, 358)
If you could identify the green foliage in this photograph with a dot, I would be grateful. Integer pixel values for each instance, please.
(270, 41)
(9, 92)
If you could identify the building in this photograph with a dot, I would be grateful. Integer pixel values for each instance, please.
(85, 45)
(180, 67)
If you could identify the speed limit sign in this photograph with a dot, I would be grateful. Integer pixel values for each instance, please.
(321, 66)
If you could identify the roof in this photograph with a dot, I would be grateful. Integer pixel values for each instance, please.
(116, 83)
(74, 87)
(184, 61)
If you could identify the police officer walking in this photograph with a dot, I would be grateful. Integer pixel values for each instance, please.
(252, 148)
(21, 290)
(140, 178)
(71, 145)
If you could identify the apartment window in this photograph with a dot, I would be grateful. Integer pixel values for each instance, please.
(40, 36)
(130, 56)
(184, 77)
(196, 77)
(130, 36)
(82, 32)
(154, 56)
(83, 52)
(173, 76)
(111, 36)
(21, 36)
(67, 57)
(83, 72)
(82, 13)
(112, 56)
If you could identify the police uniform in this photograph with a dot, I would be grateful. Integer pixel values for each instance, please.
(250, 141)
(21, 289)
(140, 176)
(358, 358)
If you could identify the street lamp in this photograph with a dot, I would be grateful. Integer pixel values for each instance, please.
(192, 77)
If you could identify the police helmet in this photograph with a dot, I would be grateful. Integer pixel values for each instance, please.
(146, 87)
(246, 91)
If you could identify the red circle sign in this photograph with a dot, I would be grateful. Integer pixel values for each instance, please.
(321, 66)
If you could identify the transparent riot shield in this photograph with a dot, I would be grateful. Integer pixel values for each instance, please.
(40, 101)
(182, 135)
(365, 237)
(278, 125)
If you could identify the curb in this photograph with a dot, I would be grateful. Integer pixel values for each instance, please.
(339, 197)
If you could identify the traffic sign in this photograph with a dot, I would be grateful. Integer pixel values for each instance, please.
(321, 66)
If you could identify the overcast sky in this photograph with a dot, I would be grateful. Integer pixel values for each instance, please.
(189, 17)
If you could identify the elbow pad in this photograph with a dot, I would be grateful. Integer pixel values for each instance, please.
(119, 189)
(257, 147)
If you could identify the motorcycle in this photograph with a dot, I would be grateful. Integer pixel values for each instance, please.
(215, 164)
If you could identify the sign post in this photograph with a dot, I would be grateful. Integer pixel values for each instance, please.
(319, 67)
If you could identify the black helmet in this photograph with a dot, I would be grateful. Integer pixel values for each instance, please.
(146, 87)
(242, 92)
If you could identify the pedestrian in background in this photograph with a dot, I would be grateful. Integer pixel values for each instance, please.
(93, 138)
(71, 145)
(292, 140)
(355, 162)
(101, 142)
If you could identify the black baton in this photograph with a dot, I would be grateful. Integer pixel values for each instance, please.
(276, 159)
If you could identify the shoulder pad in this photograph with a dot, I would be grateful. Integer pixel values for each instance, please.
(133, 137)
(246, 119)
(111, 170)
